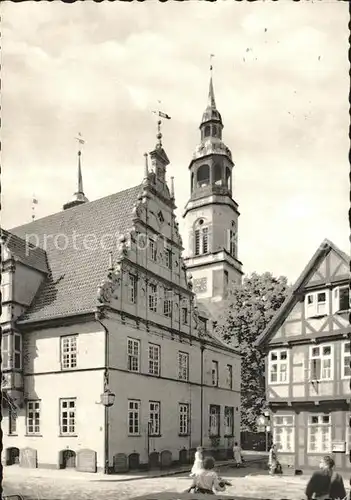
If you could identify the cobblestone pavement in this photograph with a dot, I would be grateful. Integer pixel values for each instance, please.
(249, 483)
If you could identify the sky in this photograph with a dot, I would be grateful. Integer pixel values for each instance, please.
(281, 84)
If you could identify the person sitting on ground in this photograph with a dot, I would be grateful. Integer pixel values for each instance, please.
(326, 483)
(207, 481)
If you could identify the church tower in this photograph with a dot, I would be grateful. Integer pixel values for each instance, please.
(211, 214)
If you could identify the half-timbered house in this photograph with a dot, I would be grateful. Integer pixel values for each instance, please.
(307, 346)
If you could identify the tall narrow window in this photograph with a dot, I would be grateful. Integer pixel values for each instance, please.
(67, 417)
(132, 288)
(230, 376)
(154, 359)
(133, 417)
(68, 352)
(284, 432)
(168, 258)
(184, 419)
(229, 421)
(153, 297)
(321, 358)
(346, 360)
(154, 418)
(5, 352)
(12, 421)
(167, 303)
(133, 355)
(319, 433)
(278, 366)
(183, 365)
(33, 417)
(214, 420)
(202, 241)
(233, 240)
(214, 373)
(205, 240)
(18, 350)
(153, 250)
(184, 315)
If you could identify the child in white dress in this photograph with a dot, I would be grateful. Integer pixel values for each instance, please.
(237, 454)
(198, 462)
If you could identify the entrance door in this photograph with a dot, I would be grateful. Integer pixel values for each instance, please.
(69, 459)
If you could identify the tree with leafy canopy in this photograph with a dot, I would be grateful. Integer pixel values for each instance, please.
(250, 307)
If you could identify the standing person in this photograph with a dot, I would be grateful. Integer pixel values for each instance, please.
(272, 459)
(207, 481)
(237, 455)
(198, 462)
(326, 483)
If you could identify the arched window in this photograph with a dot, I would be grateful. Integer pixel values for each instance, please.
(203, 176)
(232, 244)
(201, 240)
(214, 131)
(192, 182)
(228, 178)
(217, 174)
(207, 131)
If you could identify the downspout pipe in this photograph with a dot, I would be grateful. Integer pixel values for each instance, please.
(98, 316)
(202, 348)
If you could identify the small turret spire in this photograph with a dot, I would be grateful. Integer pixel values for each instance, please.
(146, 168)
(79, 196)
(211, 96)
(172, 187)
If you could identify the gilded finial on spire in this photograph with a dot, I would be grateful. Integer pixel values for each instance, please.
(34, 202)
(160, 114)
(211, 97)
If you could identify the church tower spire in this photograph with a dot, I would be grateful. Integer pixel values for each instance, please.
(211, 214)
(79, 196)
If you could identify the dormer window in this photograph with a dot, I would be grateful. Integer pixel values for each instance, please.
(316, 304)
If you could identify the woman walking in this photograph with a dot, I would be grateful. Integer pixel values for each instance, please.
(272, 459)
(198, 462)
(237, 455)
(326, 483)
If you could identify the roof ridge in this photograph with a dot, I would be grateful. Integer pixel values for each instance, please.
(78, 207)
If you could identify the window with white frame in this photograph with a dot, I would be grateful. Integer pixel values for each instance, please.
(154, 418)
(133, 346)
(316, 304)
(154, 359)
(214, 420)
(183, 365)
(345, 359)
(153, 250)
(230, 376)
(132, 288)
(68, 352)
(319, 433)
(278, 363)
(33, 417)
(133, 417)
(341, 298)
(153, 297)
(184, 419)
(168, 258)
(321, 362)
(284, 432)
(68, 417)
(5, 352)
(229, 421)
(12, 421)
(214, 373)
(167, 303)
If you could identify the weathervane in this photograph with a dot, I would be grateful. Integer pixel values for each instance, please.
(211, 57)
(160, 114)
(80, 141)
(34, 202)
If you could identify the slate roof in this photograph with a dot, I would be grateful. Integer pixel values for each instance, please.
(76, 269)
(324, 248)
(30, 255)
